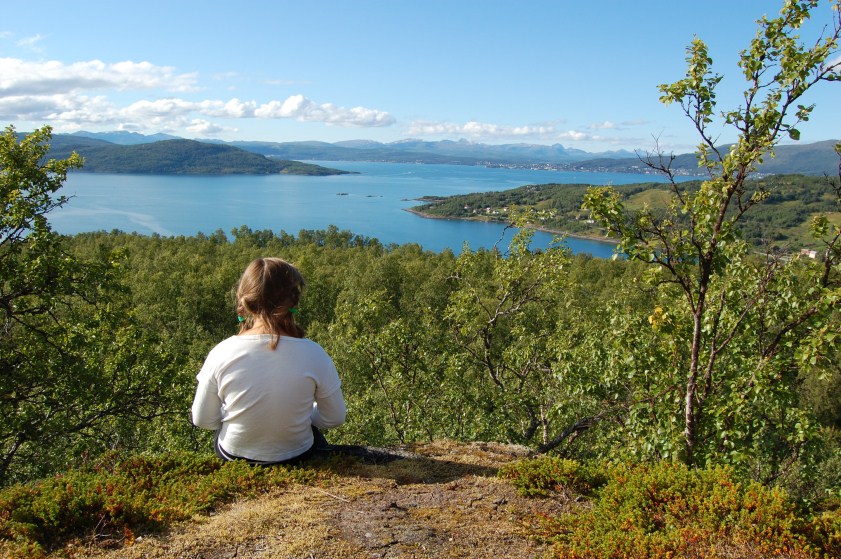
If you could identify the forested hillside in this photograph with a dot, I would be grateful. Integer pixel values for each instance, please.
(176, 157)
(782, 221)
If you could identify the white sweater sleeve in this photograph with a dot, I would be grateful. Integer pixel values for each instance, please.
(330, 411)
(207, 407)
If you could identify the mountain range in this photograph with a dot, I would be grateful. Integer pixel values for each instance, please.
(810, 159)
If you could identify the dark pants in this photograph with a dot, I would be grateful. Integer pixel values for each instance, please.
(318, 442)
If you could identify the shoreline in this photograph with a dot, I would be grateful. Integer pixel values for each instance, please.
(581, 236)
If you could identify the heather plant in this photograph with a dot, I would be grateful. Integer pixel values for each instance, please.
(546, 475)
(113, 498)
(669, 510)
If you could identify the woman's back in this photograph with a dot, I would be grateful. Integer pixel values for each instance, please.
(265, 389)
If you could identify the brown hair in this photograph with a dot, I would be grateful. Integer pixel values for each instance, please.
(269, 289)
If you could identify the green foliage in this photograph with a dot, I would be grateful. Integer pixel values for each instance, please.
(403, 326)
(79, 374)
(781, 221)
(560, 204)
(547, 475)
(733, 329)
(418, 341)
(502, 319)
(112, 498)
(669, 510)
(388, 336)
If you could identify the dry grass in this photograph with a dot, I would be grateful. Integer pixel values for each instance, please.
(442, 500)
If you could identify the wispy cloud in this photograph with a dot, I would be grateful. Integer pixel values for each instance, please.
(610, 125)
(82, 93)
(481, 130)
(31, 43)
(606, 125)
(485, 132)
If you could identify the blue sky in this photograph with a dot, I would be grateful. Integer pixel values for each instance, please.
(582, 74)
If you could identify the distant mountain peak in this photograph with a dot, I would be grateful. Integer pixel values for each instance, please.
(358, 144)
(813, 158)
(124, 137)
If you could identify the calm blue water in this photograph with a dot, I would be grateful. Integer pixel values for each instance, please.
(370, 203)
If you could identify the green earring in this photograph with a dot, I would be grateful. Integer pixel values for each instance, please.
(240, 319)
(293, 310)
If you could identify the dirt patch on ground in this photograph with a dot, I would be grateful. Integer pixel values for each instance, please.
(436, 500)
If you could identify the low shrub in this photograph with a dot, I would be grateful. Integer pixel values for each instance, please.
(114, 498)
(668, 510)
(544, 475)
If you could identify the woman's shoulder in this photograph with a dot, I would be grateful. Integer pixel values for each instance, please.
(305, 344)
(234, 343)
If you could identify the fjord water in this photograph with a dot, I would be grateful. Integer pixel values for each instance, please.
(370, 203)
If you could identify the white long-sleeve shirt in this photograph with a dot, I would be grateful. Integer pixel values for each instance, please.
(264, 401)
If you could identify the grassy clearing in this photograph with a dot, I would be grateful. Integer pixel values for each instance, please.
(653, 198)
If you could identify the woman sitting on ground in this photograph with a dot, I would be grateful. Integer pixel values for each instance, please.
(268, 390)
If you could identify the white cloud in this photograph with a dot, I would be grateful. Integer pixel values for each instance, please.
(21, 77)
(226, 76)
(606, 125)
(635, 122)
(89, 110)
(480, 130)
(30, 42)
(171, 107)
(206, 129)
(295, 106)
(80, 94)
(301, 108)
(17, 107)
(484, 132)
(576, 136)
(239, 109)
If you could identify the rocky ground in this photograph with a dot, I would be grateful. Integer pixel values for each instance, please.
(436, 500)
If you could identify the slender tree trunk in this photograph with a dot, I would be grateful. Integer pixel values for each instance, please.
(689, 410)
(691, 404)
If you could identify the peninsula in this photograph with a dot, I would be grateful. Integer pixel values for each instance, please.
(781, 221)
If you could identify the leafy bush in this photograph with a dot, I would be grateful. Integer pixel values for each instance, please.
(113, 498)
(670, 510)
(542, 476)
